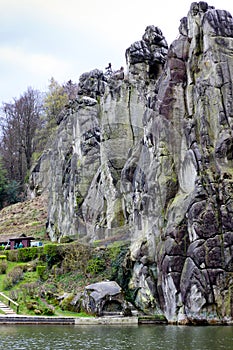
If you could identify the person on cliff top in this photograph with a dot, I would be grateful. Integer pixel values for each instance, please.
(109, 69)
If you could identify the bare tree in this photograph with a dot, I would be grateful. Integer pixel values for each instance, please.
(19, 123)
(71, 89)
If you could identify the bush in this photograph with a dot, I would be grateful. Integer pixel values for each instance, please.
(95, 265)
(40, 308)
(24, 254)
(48, 310)
(66, 239)
(31, 306)
(41, 271)
(14, 295)
(119, 272)
(2, 257)
(13, 277)
(75, 257)
(12, 255)
(52, 254)
(29, 289)
(66, 303)
(3, 266)
(28, 254)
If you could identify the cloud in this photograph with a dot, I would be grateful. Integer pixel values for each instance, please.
(36, 63)
(21, 69)
(64, 38)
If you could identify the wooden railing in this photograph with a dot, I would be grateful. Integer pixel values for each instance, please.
(10, 301)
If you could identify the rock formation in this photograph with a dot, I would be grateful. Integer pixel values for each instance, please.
(149, 158)
(104, 298)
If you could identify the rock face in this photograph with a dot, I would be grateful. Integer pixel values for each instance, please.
(104, 298)
(150, 158)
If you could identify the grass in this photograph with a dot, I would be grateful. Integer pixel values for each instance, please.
(27, 217)
(59, 312)
(10, 266)
(1, 282)
(30, 278)
(78, 266)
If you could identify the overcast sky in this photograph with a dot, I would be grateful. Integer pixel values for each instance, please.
(40, 39)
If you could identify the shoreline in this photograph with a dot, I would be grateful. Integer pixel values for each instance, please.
(67, 320)
(107, 320)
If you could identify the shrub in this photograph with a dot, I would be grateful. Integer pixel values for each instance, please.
(30, 306)
(13, 277)
(28, 254)
(75, 257)
(29, 289)
(3, 266)
(114, 250)
(48, 310)
(66, 303)
(2, 257)
(12, 255)
(41, 271)
(66, 239)
(95, 265)
(120, 271)
(14, 295)
(40, 308)
(24, 254)
(52, 254)
(37, 312)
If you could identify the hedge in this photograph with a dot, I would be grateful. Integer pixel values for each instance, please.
(24, 254)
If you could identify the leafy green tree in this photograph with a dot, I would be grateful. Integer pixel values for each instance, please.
(54, 108)
(55, 101)
(13, 192)
(10, 192)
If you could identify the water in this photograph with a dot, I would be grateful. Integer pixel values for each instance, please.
(43, 337)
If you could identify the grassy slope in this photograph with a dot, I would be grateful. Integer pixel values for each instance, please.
(27, 217)
(30, 218)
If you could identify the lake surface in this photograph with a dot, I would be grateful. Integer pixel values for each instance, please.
(144, 337)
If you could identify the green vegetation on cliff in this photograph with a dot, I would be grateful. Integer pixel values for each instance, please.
(44, 280)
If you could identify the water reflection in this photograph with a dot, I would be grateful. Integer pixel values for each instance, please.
(98, 337)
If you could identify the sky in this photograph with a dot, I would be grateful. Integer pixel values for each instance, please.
(40, 39)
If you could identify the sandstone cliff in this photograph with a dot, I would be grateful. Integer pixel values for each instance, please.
(148, 157)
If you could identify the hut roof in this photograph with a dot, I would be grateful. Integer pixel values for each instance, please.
(7, 238)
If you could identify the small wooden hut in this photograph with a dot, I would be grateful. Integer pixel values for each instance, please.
(14, 242)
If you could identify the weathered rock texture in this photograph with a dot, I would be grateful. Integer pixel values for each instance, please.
(104, 298)
(149, 158)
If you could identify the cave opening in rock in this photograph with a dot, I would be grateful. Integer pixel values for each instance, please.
(112, 306)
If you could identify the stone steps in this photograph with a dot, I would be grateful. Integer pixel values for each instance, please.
(6, 309)
(151, 320)
(20, 319)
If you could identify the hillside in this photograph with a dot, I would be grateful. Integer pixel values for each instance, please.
(26, 217)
